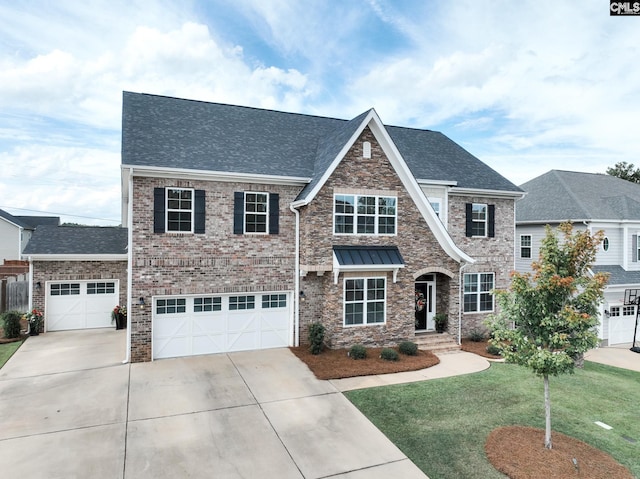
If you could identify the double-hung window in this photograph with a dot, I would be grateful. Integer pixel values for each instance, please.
(364, 214)
(480, 220)
(179, 210)
(256, 212)
(525, 246)
(477, 292)
(364, 301)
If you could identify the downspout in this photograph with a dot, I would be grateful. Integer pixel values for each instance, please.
(296, 292)
(460, 302)
(31, 293)
(129, 264)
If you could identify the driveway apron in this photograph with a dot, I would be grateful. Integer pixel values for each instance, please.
(69, 408)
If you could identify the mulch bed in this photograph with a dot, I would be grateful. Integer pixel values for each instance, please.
(478, 347)
(336, 364)
(519, 452)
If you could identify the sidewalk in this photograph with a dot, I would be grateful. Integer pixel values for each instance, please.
(451, 364)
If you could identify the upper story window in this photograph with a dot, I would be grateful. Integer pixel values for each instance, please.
(480, 220)
(477, 292)
(605, 244)
(436, 204)
(256, 212)
(364, 215)
(178, 210)
(525, 246)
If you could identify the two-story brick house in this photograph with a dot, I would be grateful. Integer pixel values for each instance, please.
(248, 225)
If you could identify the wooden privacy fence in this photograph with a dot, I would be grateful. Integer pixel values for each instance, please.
(14, 294)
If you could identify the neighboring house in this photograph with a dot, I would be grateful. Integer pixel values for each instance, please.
(248, 225)
(78, 274)
(594, 202)
(15, 232)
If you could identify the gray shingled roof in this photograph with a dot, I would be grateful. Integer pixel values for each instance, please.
(368, 255)
(14, 219)
(81, 240)
(567, 195)
(169, 132)
(617, 274)
(34, 221)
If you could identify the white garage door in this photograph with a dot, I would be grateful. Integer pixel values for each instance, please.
(621, 324)
(207, 324)
(80, 304)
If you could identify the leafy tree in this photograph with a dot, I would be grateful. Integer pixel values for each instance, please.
(626, 171)
(547, 320)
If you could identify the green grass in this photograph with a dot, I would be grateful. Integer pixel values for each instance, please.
(7, 350)
(442, 424)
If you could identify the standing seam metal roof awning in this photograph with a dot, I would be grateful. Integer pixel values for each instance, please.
(366, 258)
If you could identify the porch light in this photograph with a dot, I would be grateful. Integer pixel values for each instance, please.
(38, 285)
(141, 302)
(302, 296)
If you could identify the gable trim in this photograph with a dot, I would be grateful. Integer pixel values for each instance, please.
(372, 120)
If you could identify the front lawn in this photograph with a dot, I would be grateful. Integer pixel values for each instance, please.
(7, 350)
(442, 424)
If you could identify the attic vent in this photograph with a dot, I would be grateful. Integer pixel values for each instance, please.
(366, 150)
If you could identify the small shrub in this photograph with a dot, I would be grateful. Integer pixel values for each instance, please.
(476, 336)
(11, 324)
(316, 337)
(493, 349)
(389, 354)
(408, 348)
(358, 351)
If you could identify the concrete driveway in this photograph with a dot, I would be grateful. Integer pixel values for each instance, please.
(70, 409)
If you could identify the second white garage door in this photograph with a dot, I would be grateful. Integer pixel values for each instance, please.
(207, 324)
(621, 324)
(80, 304)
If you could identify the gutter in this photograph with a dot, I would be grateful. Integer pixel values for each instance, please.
(296, 292)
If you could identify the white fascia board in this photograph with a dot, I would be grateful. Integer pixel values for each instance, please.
(488, 193)
(416, 193)
(76, 257)
(204, 175)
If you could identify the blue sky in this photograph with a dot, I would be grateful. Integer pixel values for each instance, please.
(526, 86)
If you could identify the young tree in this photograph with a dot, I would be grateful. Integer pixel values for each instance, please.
(548, 319)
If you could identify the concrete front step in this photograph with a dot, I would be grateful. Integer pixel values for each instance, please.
(436, 342)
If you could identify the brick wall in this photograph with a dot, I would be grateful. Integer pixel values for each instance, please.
(414, 239)
(215, 262)
(491, 254)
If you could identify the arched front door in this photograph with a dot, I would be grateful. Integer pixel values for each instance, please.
(425, 302)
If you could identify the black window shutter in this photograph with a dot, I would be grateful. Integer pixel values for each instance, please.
(491, 221)
(634, 248)
(199, 212)
(469, 220)
(274, 213)
(238, 212)
(158, 210)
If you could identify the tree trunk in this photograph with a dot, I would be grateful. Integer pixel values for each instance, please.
(547, 413)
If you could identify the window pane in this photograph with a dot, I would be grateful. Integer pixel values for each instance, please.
(375, 312)
(344, 204)
(470, 303)
(470, 283)
(366, 205)
(387, 225)
(366, 224)
(344, 224)
(386, 206)
(479, 212)
(353, 314)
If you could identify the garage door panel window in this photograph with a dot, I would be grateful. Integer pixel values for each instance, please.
(101, 288)
(171, 306)
(207, 304)
(241, 302)
(274, 301)
(65, 289)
